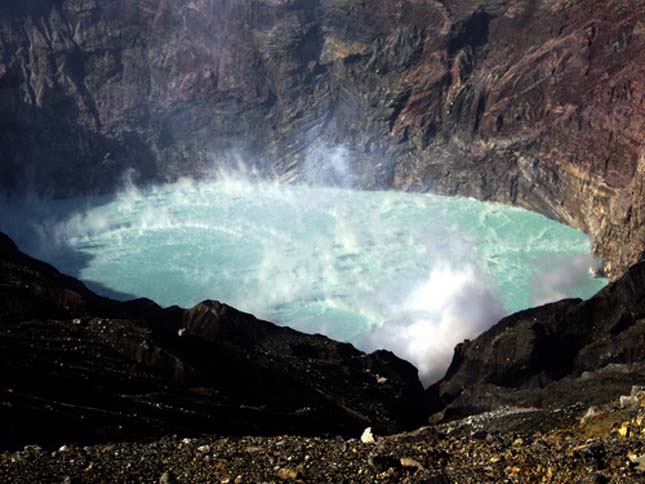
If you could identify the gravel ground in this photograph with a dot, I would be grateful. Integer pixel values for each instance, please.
(582, 446)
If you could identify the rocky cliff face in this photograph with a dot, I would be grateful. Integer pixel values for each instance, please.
(538, 103)
(78, 367)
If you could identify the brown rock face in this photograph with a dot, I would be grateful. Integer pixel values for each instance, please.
(538, 103)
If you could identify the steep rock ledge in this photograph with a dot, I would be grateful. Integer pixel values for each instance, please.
(538, 103)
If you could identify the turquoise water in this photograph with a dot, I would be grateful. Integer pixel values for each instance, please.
(412, 272)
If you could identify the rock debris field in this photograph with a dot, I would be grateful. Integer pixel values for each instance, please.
(577, 445)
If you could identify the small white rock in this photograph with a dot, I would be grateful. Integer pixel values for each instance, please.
(181, 332)
(591, 412)
(204, 448)
(63, 448)
(367, 437)
(628, 401)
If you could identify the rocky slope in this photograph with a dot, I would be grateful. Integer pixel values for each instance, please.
(75, 367)
(565, 352)
(507, 446)
(534, 102)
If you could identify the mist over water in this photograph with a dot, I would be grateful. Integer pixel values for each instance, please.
(413, 273)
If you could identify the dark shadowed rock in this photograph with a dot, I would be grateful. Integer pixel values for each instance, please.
(78, 367)
(561, 353)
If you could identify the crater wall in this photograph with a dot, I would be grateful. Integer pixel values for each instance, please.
(532, 102)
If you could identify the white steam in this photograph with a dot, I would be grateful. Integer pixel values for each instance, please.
(329, 166)
(452, 305)
(561, 274)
